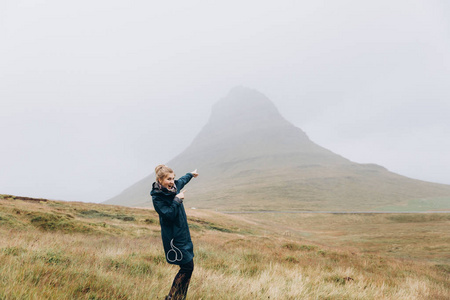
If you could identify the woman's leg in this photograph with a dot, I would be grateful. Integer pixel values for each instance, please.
(181, 282)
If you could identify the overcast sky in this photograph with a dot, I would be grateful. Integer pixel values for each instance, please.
(91, 89)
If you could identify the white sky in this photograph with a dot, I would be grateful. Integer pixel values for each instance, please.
(94, 94)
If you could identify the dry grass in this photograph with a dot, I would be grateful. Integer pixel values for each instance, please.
(422, 237)
(64, 250)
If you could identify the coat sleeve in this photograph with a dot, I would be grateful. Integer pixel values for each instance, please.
(182, 181)
(167, 211)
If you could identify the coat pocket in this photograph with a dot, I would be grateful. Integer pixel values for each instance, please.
(180, 235)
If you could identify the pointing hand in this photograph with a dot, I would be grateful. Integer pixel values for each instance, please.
(181, 194)
(194, 173)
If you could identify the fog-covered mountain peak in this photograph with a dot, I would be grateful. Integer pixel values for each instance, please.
(243, 104)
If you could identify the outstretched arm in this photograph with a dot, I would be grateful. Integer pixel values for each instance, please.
(182, 181)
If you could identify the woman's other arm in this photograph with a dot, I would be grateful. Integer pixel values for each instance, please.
(167, 211)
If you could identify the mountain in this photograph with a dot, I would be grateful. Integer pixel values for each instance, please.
(250, 158)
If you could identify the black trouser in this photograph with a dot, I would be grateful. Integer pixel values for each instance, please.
(181, 282)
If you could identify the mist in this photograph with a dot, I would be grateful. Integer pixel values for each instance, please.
(95, 94)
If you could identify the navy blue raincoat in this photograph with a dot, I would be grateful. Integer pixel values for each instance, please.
(175, 233)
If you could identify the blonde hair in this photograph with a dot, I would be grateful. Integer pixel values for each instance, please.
(161, 171)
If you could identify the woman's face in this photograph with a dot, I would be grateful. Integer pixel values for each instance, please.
(169, 181)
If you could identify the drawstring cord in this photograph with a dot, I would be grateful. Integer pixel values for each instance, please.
(176, 251)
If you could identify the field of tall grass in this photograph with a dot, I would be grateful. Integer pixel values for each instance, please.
(420, 237)
(67, 250)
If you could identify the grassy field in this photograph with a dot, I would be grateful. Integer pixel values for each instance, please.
(67, 250)
(418, 237)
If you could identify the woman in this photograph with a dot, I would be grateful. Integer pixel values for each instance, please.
(168, 199)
